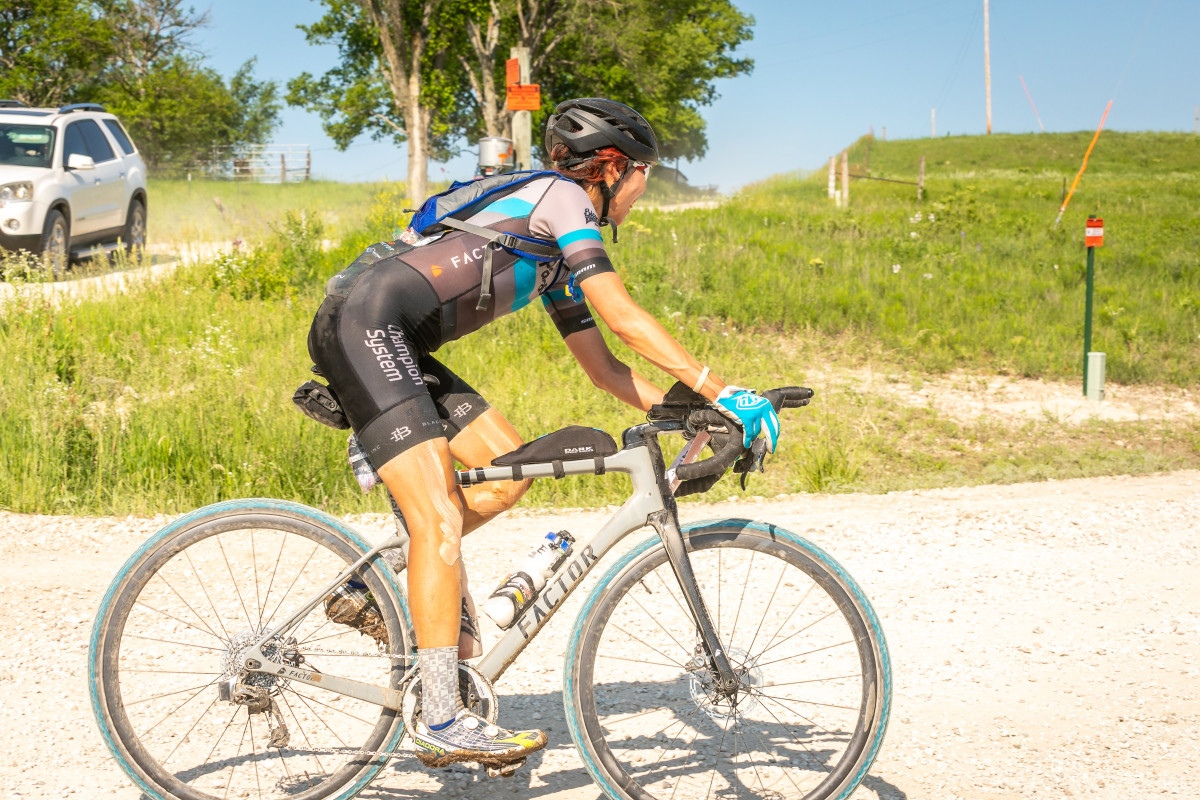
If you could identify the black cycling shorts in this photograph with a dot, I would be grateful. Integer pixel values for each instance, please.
(394, 395)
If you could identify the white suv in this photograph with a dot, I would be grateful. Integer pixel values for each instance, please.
(70, 180)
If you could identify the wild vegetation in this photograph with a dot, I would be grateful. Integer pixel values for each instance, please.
(177, 393)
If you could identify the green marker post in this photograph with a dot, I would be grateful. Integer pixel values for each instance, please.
(1093, 238)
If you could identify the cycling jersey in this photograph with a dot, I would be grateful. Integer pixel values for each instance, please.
(400, 301)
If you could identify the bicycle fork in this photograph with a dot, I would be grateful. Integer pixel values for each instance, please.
(666, 524)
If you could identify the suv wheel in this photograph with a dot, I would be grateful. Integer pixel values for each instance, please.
(134, 235)
(56, 242)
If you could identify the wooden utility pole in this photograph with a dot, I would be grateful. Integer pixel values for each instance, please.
(522, 121)
(987, 67)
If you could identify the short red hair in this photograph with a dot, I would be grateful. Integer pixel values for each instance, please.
(590, 172)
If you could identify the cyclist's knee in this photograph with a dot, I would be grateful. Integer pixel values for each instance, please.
(498, 497)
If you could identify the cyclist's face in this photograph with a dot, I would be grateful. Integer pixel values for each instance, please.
(630, 190)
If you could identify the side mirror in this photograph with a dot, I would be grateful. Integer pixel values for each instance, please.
(80, 161)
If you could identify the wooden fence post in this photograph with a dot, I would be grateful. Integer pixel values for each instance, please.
(282, 168)
(845, 180)
(921, 180)
(307, 164)
(833, 195)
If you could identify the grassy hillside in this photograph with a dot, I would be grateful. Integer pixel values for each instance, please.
(177, 394)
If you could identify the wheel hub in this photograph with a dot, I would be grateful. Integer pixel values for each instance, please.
(279, 651)
(722, 706)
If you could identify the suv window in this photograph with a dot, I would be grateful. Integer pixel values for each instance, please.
(26, 145)
(73, 142)
(97, 144)
(119, 134)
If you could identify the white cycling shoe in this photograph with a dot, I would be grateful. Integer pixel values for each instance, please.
(472, 738)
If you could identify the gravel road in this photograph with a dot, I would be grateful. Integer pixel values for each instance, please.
(1044, 639)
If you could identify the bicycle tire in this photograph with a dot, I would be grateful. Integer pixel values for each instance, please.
(291, 524)
(617, 760)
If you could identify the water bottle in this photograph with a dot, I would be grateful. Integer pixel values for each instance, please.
(521, 588)
(364, 473)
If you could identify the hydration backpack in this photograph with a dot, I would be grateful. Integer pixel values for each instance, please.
(463, 200)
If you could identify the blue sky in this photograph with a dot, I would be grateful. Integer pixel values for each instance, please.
(827, 72)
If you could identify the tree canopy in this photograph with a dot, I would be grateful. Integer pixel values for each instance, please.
(135, 57)
(431, 73)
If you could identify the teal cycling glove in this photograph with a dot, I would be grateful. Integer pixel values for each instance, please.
(754, 414)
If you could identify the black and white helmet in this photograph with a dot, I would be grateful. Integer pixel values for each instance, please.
(588, 124)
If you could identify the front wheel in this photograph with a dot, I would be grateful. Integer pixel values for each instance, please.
(811, 707)
(170, 632)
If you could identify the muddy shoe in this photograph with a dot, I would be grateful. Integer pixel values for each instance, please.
(472, 738)
(353, 605)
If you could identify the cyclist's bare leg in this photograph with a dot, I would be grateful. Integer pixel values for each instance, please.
(422, 481)
(488, 436)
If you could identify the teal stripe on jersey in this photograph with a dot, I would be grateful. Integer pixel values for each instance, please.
(525, 275)
(512, 207)
(583, 234)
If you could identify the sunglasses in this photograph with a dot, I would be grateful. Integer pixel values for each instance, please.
(642, 167)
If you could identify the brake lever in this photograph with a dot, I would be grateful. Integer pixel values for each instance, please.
(752, 461)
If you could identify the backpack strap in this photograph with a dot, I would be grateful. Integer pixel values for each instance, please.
(535, 248)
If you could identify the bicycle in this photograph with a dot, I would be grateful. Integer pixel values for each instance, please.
(724, 658)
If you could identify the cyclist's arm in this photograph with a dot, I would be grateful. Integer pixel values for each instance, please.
(609, 373)
(643, 333)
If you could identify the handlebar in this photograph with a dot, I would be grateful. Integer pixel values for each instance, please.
(725, 438)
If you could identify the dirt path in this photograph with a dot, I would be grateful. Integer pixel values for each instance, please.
(1044, 639)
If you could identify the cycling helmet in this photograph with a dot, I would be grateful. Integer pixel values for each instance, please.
(588, 124)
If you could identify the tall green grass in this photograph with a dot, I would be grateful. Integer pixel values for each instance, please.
(178, 393)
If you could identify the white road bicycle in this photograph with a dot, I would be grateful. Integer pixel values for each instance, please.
(730, 658)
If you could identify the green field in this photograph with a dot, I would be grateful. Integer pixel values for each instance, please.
(177, 394)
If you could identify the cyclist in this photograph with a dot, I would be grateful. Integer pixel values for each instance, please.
(398, 302)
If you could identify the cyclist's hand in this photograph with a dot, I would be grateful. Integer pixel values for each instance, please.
(754, 414)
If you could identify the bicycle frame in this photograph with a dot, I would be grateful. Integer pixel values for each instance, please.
(651, 503)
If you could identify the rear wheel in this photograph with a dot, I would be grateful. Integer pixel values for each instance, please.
(134, 235)
(170, 631)
(811, 707)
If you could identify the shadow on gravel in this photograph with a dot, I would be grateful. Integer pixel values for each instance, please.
(556, 771)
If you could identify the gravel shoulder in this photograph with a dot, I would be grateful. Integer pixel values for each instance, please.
(1044, 639)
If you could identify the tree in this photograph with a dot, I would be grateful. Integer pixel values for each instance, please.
(50, 50)
(397, 61)
(659, 56)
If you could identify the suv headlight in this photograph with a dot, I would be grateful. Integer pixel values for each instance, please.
(16, 192)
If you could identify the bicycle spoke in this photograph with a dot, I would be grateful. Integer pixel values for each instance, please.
(659, 624)
(648, 647)
(319, 717)
(770, 603)
(233, 764)
(797, 633)
(207, 596)
(691, 749)
(637, 661)
(208, 758)
(236, 589)
(201, 687)
(745, 586)
(283, 540)
(183, 738)
(199, 619)
(788, 618)
(304, 733)
(807, 653)
(181, 644)
(810, 702)
(173, 711)
(716, 761)
(253, 754)
(291, 585)
(331, 708)
(254, 571)
(144, 604)
(667, 589)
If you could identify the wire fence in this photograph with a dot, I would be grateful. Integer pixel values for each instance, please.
(277, 163)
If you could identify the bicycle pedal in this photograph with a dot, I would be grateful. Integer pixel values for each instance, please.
(505, 770)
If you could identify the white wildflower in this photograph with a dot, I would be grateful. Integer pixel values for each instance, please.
(928, 276)
(895, 268)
